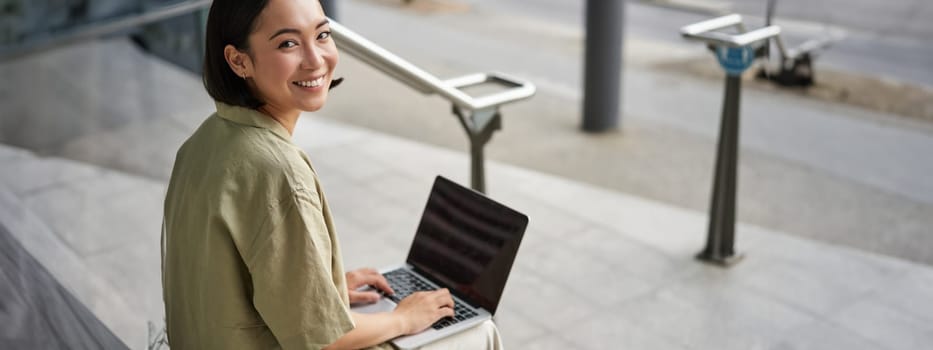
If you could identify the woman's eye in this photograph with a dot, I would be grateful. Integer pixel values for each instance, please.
(323, 35)
(287, 44)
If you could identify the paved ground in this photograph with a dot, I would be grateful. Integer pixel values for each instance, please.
(616, 218)
(821, 170)
(598, 268)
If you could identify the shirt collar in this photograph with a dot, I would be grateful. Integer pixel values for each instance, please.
(251, 117)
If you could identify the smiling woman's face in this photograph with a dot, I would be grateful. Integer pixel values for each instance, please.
(292, 56)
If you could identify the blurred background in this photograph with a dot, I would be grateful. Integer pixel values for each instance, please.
(97, 95)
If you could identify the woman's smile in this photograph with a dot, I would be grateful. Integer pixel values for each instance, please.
(311, 84)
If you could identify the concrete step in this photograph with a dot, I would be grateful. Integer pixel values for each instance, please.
(89, 228)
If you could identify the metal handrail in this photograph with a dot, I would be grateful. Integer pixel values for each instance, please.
(706, 31)
(96, 30)
(424, 82)
(479, 116)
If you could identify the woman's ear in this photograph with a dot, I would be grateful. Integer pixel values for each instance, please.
(238, 61)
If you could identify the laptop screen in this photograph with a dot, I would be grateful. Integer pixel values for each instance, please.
(468, 242)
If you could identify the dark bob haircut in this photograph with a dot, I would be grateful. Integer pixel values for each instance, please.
(230, 22)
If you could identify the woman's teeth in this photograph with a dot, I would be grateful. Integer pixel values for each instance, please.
(310, 83)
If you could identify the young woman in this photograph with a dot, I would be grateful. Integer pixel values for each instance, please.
(250, 255)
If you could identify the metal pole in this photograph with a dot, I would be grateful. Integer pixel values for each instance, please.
(769, 13)
(477, 169)
(330, 9)
(602, 95)
(479, 127)
(720, 241)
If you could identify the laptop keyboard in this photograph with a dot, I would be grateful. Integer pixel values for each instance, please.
(404, 283)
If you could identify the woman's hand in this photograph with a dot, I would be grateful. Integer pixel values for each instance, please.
(420, 310)
(363, 277)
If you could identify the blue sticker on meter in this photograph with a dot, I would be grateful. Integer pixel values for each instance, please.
(735, 60)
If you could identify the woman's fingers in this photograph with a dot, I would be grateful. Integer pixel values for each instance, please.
(368, 276)
(422, 309)
(443, 298)
(379, 281)
(444, 312)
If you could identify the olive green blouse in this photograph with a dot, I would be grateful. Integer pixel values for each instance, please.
(250, 259)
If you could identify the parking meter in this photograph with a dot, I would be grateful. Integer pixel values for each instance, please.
(735, 53)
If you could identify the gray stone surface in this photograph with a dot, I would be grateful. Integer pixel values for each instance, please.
(598, 268)
(610, 330)
(102, 214)
(886, 326)
(911, 293)
(810, 168)
(824, 335)
(27, 174)
(116, 310)
(609, 269)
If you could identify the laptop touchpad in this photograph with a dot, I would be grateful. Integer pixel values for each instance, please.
(383, 305)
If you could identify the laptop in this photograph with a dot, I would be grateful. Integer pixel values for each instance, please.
(465, 242)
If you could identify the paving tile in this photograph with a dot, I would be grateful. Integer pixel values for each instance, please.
(834, 277)
(823, 335)
(350, 164)
(368, 210)
(816, 291)
(550, 342)
(609, 330)
(70, 269)
(711, 310)
(681, 321)
(717, 291)
(830, 259)
(120, 149)
(365, 249)
(417, 159)
(407, 192)
(101, 214)
(543, 218)
(621, 252)
(538, 298)
(581, 273)
(97, 71)
(673, 230)
(515, 329)
(116, 67)
(313, 133)
(886, 325)
(911, 293)
(369, 213)
(135, 272)
(29, 173)
(44, 130)
(11, 155)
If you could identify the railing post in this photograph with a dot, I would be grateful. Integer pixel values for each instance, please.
(602, 94)
(479, 127)
(477, 168)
